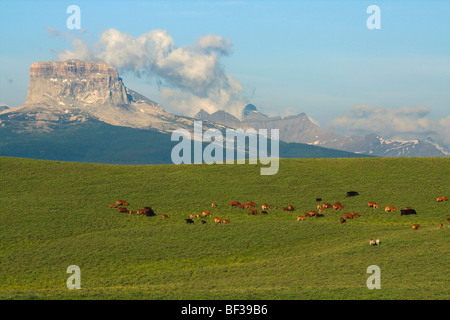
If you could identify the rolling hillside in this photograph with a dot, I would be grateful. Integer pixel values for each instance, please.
(55, 214)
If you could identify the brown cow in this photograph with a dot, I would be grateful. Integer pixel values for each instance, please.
(122, 202)
(265, 206)
(213, 205)
(122, 209)
(448, 219)
(226, 221)
(319, 206)
(217, 220)
(300, 218)
(415, 226)
(251, 204)
(290, 208)
(389, 209)
(327, 206)
(372, 242)
(313, 213)
(321, 210)
(343, 220)
(373, 204)
(338, 206)
(355, 215)
(284, 208)
(306, 214)
(131, 212)
(440, 225)
(206, 214)
(234, 203)
(441, 199)
(165, 216)
(113, 205)
(140, 211)
(348, 216)
(253, 212)
(192, 216)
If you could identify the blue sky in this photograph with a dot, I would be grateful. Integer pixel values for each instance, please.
(316, 57)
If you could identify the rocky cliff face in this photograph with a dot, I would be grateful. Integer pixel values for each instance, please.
(75, 83)
(76, 91)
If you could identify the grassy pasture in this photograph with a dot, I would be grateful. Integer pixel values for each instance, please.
(55, 214)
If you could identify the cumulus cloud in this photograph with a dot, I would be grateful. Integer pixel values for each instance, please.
(402, 122)
(191, 76)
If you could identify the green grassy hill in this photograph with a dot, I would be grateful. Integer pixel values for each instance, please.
(56, 214)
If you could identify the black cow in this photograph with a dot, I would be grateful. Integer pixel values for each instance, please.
(318, 199)
(408, 212)
(188, 221)
(352, 193)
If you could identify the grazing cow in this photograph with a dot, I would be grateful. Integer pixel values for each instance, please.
(290, 208)
(213, 205)
(406, 212)
(352, 193)
(321, 210)
(306, 214)
(226, 221)
(131, 212)
(373, 204)
(113, 205)
(389, 209)
(318, 199)
(148, 211)
(234, 203)
(121, 202)
(265, 206)
(140, 211)
(440, 225)
(192, 216)
(313, 213)
(189, 221)
(300, 218)
(122, 209)
(448, 219)
(284, 208)
(343, 220)
(217, 220)
(338, 206)
(441, 199)
(165, 216)
(251, 204)
(206, 214)
(253, 211)
(319, 206)
(319, 215)
(355, 215)
(264, 212)
(372, 242)
(348, 216)
(203, 222)
(327, 206)
(415, 226)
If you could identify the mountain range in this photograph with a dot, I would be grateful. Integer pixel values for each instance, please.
(300, 129)
(82, 111)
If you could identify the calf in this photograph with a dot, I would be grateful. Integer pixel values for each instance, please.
(300, 218)
(226, 221)
(389, 209)
(441, 225)
(415, 226)
(165, 216)
(217, 220)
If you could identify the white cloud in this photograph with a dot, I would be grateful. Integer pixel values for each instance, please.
(191, 76)
(402, 122)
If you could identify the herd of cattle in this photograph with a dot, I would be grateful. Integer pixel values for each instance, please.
(252, 210)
